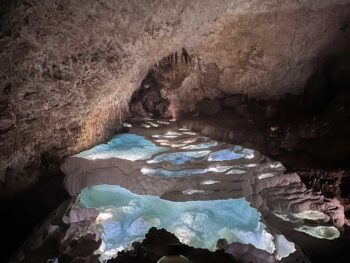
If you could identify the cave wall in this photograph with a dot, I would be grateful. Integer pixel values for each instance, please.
(68, 68)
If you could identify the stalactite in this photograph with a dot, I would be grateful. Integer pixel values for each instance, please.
(172, 59)
(186, 56)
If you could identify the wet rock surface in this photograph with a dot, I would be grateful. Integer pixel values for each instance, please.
(256, 177)
(284, 130)
(157, 242)
(313, 144)
(189, 161)
(237, 172)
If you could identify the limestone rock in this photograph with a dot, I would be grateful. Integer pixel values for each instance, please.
(69, 84)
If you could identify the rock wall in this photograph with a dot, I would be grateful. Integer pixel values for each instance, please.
(68, 68)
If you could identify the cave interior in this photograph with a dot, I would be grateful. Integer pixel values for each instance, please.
(175, 131)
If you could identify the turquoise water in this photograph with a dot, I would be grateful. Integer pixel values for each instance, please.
(183, 172)
(126, 217)
(124, 146)
(179, 158)
(234, 153)
(217, 169)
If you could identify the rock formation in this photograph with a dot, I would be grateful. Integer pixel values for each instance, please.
(68, 69)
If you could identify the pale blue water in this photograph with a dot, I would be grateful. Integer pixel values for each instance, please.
(169, 173)
(183, 172)
(179, 158)
(204, 145)
(234, 153)
(126, 217)
(124, 146)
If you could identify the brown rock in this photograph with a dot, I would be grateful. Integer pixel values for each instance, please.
(208, 107)
(73, 82)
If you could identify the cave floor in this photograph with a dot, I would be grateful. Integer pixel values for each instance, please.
(182, 165)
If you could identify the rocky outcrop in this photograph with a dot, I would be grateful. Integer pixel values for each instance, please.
(68, 69)
(156, 243)
(67, 234)
(329, 183)
(248, 253)
(279, 193)
(285, 129)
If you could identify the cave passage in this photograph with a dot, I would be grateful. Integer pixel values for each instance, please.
(218, 127)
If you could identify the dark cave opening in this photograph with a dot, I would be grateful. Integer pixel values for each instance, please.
(148, 99)
(152, 98)
(28, 210)
(345, 187)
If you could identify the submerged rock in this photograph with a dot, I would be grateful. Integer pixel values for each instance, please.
(126, 217)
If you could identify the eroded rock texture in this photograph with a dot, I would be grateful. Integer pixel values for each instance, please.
(67, 234)
(68, 68)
